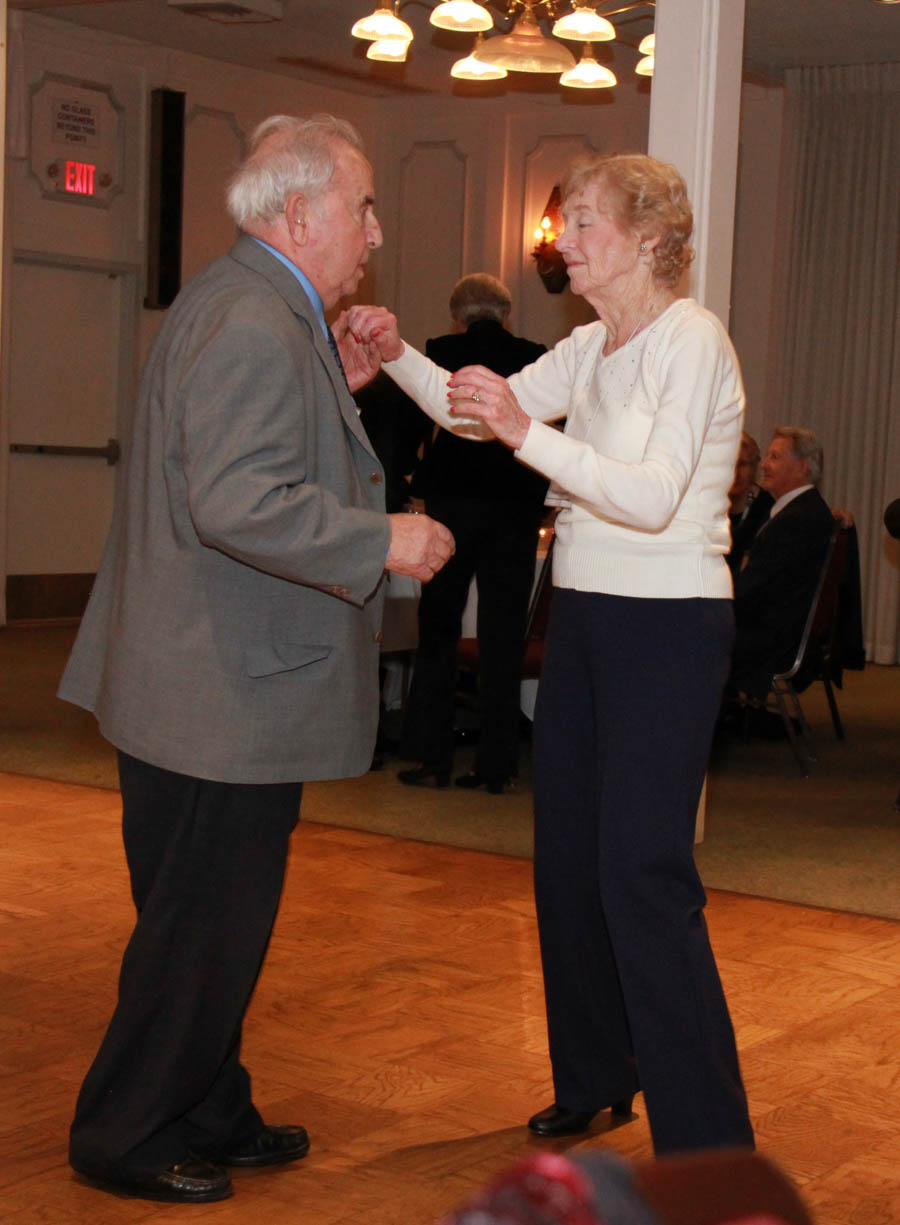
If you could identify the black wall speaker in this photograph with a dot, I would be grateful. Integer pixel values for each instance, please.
(165, 190)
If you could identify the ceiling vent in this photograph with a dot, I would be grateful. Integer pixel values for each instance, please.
(249, 12)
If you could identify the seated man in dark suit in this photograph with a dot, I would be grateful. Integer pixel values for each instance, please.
(774, 587)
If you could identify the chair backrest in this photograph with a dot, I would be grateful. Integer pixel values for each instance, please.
(821, 620)
(535, 624)
(538, 616)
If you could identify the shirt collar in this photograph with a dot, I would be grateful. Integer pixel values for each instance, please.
(788, 497)
(305, 283)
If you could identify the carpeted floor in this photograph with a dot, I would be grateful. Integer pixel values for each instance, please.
(830, 840)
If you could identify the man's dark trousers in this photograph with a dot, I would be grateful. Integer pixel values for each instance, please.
(207, 864)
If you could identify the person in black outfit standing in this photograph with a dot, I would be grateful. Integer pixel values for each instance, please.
(493, 505)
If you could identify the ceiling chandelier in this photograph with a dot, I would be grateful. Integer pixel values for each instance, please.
(523, 48)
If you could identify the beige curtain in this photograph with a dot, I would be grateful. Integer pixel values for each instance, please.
(838, 370)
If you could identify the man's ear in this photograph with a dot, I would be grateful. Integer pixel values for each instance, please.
(296, 214)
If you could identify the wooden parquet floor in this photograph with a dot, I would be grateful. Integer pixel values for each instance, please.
(399, 1017)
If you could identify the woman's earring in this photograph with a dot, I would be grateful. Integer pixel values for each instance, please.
(643, 247)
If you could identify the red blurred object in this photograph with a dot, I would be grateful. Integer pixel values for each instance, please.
(544, 1189)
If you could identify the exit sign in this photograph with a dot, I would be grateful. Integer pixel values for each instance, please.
(79, 178)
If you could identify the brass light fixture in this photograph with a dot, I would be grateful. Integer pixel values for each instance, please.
(524, 48)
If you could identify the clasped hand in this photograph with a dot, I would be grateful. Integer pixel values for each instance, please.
(474, 391)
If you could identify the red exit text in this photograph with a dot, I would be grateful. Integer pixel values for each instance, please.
(80, 178)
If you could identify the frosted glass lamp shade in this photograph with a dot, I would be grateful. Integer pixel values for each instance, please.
(382, 24)
(588, 74)
(526, 50)
(583, 25)
(463, 15)
(644, 67)
(390, 50)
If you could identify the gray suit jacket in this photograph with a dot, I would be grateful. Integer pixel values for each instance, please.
(232, 633)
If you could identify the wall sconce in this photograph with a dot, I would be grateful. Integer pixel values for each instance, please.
(551, 266)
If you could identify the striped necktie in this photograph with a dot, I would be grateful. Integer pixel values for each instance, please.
(332, 344)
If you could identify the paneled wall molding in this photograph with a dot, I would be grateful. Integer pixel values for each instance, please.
(130, 298)
(545, 164)
(215, 140)
(434, 183)
(229, 118)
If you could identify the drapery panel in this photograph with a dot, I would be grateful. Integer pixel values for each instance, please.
(838, 368)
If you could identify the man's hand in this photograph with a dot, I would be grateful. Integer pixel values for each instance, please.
(361, 361)
(376, 326)
(419, 546)
(844, 517)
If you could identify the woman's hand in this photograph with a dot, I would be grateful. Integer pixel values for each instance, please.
(476, 391)
(376, 328)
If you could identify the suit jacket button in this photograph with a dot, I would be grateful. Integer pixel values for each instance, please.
(379, 637)
(376, 478)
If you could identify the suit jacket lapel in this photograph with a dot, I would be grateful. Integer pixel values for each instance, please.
(248, 252)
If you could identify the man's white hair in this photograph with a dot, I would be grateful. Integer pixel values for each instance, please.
(286, 155)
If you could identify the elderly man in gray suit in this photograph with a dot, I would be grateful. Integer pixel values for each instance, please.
(230, 650)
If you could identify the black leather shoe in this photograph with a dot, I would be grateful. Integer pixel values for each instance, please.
(558, 1121)
(192, 1181)
(271, 1146)
(473, 780)
(418, 776)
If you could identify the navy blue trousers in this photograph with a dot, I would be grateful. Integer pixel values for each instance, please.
(207, 863)
(626, 706)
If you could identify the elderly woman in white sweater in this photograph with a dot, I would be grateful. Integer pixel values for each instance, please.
(636, 656)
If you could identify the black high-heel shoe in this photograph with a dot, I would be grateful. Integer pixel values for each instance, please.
(473, 780)
(418, 776)
(557, 1121)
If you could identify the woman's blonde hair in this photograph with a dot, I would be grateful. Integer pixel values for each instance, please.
(652, 199)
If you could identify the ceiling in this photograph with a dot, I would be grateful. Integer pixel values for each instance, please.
(312, 40)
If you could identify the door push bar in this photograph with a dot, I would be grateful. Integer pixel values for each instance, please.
(110, 452)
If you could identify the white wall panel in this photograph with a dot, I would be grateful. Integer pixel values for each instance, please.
(213, 147)
(430, 260)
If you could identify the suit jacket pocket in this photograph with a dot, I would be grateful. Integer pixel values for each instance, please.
(267, 659)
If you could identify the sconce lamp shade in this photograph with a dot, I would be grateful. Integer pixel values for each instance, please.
(463, 15)
(644, 67)
(588, 74)
(526, 49)
(584, 25)
(390, 50)
(647, 45)
(382, 24)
